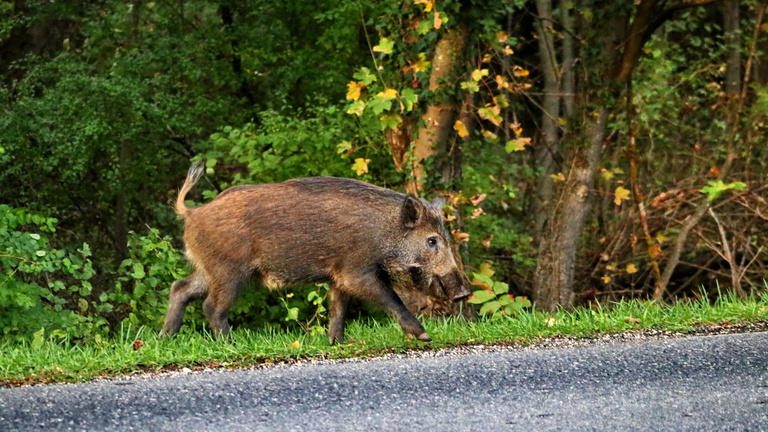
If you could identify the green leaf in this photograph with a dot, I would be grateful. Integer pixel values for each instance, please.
(481, 296)
(470, 86)
(408, 97)
(483, 279)
(378, 105)
(138, 271)
(365, 76)
(715, 188)
(389, 121)
(293, 314)
(385, 46)
(500, 288)
(357, 108)
(490, 308)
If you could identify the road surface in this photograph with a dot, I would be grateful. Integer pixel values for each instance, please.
(693, 383)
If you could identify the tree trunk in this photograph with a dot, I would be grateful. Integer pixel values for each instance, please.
(550, 113)
(555, 269)
(439, 117)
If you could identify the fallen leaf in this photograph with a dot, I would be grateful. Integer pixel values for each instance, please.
(551, 321)
(632, 320)
(296, 344)
(606, 279)
(137, 344)
(477, 213)
(631, 268)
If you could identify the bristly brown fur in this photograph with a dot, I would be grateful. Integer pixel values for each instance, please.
(360, 238)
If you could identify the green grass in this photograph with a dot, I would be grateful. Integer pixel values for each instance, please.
(60, 361)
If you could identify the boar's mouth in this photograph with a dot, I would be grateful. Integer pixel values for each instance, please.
(452, 286)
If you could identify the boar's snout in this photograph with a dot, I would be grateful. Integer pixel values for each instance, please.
(454, 286)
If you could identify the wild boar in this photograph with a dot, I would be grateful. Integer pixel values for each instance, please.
(362, 239)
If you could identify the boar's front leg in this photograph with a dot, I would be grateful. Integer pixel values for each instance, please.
(369, 285)
(338, 314)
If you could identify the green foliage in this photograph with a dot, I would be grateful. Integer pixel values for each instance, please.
(140, 293)
(42, 288)
(494, 297)
(715, 188)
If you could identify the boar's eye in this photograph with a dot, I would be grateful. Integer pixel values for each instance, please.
(432, 242)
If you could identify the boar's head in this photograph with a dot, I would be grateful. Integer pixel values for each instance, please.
(427, 250)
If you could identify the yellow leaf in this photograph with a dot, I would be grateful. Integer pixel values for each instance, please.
(438, 22)
(501, 82)
(620, 195)
(517, 144)
(654, 251)
(551, 321)
(520, 72)
(422, 64)
(428, 4)
(387, 94)
(631, 268)
(490, 135)
(557, 178)
(296, 344)
(478, 74)
(502, 37)
(477, 212)
(360, 166)
(357, 108)
(606, 279)
(661, 238)
(508, 51)
(516, 128)
(353, 90)
(461, 129)
(486, 58)
(486, 268)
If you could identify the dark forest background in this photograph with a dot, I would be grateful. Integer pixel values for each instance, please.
(589, 151)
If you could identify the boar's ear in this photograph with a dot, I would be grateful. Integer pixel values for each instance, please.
(411, 211)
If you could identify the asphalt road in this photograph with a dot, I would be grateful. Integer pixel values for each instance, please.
(712, 383)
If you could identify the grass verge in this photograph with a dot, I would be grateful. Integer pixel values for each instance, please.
(140, 350)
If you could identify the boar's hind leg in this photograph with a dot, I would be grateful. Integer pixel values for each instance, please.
(221, 295)
(182, 292)
(370, 286)
(338, 314)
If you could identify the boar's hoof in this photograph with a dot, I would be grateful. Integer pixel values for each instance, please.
(424, 337)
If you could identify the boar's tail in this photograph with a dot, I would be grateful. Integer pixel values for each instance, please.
(193, 175)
